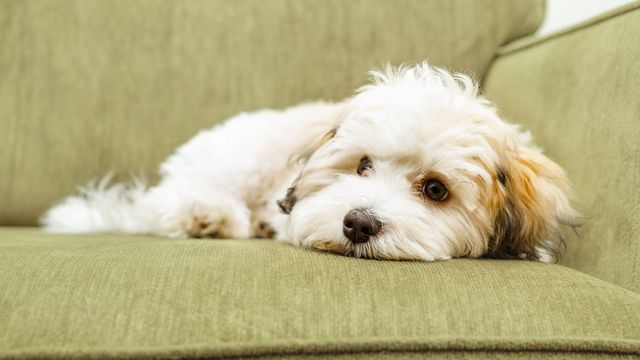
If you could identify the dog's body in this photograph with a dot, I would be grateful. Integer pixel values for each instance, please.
(224, 182)
(415, 166)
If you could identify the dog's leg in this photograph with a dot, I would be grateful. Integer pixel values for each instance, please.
(212, 216)
(199, 220)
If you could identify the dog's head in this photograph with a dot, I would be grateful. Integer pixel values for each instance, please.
(421, 167)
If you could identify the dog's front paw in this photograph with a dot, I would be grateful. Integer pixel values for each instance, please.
(206, 225)
(200, 221)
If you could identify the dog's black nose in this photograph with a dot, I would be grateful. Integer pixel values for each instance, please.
(359, 225)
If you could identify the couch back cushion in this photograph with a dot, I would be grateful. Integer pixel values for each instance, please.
(90, 86)
(579, 93)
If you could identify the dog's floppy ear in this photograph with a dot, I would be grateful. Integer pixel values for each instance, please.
(303, 155)
(532, 208)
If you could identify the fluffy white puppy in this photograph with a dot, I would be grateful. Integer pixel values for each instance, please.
(414, 166)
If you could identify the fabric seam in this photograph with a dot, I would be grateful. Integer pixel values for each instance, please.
(586, 346)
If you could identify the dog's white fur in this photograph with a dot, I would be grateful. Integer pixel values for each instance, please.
(415, 124)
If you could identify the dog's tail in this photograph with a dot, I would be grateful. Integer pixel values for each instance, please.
(100, 207)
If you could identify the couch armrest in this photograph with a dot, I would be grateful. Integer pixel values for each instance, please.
(578, 91)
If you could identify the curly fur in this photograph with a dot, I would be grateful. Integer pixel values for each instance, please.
(291, 174)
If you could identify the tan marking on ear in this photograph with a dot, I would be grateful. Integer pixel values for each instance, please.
(529, 206)
(519, 221)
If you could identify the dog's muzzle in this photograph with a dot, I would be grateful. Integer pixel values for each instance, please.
(359, 225)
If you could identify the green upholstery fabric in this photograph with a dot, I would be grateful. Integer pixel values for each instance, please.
(127, 296)
(88, 86)
(579, 93)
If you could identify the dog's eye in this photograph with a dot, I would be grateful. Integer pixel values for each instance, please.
(364, 165)
(435, 190)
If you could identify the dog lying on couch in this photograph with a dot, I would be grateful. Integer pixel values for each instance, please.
(416, 165)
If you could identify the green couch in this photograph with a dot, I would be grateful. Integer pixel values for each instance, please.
(88, 86)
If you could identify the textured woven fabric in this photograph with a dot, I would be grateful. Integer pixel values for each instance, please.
(127, 296)
(579, 93)
(89, 86)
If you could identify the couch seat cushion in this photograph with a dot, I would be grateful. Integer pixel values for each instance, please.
(134, 296)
